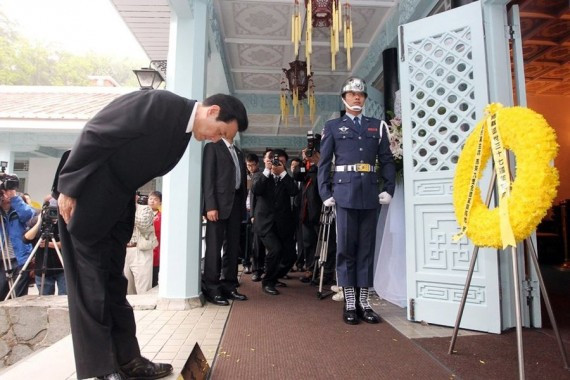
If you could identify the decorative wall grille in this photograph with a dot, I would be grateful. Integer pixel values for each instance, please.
(442, 98)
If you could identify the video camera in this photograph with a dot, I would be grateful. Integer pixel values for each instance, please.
(49, 217)
(9, 181)
(313, 143)
(142, 199)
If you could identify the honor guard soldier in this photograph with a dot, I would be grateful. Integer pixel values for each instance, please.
(350, 146)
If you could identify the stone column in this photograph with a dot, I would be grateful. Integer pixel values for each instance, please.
(179, 278)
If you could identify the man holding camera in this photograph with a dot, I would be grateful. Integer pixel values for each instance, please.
(15, 213)
(147, 129)
(48, 268)
(355, 142)
(274, 220)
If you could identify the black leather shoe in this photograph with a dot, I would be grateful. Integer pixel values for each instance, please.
(112, 376)
(141, 368)
(235, 295)
(247, 270)
(286, 277)
(280, 284)
(306, 279)
(217, 300)
(349, 317)
(368, 315)
(256, 277)
(270, 290)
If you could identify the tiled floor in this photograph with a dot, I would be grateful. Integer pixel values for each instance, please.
(169, 336)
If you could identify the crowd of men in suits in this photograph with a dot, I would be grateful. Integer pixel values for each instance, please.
(279, 210)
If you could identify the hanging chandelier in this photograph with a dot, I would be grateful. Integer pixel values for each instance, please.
(296, 87)
(323, 14)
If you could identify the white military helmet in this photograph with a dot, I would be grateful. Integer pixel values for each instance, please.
(354, 84)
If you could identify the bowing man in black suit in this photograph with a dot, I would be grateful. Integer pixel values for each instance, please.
(224, 207)
(274, 220)
(135, 138)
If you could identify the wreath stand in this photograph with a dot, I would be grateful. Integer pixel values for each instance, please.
(518, 315)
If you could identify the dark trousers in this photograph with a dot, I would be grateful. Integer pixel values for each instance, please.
(356, 238)
(258, 255)
(310, 239)
(220, 272)
(103, 326)
(301, 254)
(279, 258)
(155, 270)
(22, 285)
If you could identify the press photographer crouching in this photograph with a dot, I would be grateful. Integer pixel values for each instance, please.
(15, 213)
(48, 261)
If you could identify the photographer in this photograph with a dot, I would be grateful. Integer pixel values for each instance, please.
(274, 220)
(310, 212)
(50, 264)
(15, 214)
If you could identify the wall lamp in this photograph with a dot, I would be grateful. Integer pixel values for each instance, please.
(152, 76)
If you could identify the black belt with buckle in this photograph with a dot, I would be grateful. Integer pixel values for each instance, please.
(360, 168)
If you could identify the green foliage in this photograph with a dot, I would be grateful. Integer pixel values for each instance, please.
(25, 63)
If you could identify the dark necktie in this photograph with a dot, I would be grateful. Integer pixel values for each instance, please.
(357, 123)
(236, 163)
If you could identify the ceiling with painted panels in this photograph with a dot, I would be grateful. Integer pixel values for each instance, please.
(545, 30)
(256, 38)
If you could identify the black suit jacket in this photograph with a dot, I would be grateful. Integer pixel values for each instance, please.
(273, 205)
(135, 138)
(218, 179)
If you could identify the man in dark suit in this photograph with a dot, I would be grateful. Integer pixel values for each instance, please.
(257, 247)
(310, 217)
(224, 207)
(274, 220)
(135, 138)
(356, 142)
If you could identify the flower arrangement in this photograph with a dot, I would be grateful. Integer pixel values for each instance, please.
(528, 135)
(396, 143)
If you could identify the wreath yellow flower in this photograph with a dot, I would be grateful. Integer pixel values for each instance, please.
(533, 142)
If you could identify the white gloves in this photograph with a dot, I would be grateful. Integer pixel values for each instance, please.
(384, 198)
(329, 202)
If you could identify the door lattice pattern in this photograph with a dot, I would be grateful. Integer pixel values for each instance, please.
(442, 98)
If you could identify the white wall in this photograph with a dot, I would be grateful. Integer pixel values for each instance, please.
(40, 177)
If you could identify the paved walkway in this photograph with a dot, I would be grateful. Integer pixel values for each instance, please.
(169, 336)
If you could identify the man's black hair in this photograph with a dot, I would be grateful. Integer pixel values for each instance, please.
(280, 153)
(231, 108)
(296, 159)
(252, 157)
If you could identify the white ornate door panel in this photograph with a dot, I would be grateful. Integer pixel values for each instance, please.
(444, 92)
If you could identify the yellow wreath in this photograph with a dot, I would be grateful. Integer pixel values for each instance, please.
(533, 142)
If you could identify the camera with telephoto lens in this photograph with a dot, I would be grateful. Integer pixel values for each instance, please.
(275, 161)
(313, 143)
(142, 199)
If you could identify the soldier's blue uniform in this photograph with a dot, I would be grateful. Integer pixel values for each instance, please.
(354, 185)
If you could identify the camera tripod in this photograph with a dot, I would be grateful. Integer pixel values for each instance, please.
(7, 261)
(327, 216)
(46, 237)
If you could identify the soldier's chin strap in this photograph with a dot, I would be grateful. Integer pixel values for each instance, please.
(352, 108)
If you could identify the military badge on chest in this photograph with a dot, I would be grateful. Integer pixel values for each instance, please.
(343, 130)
